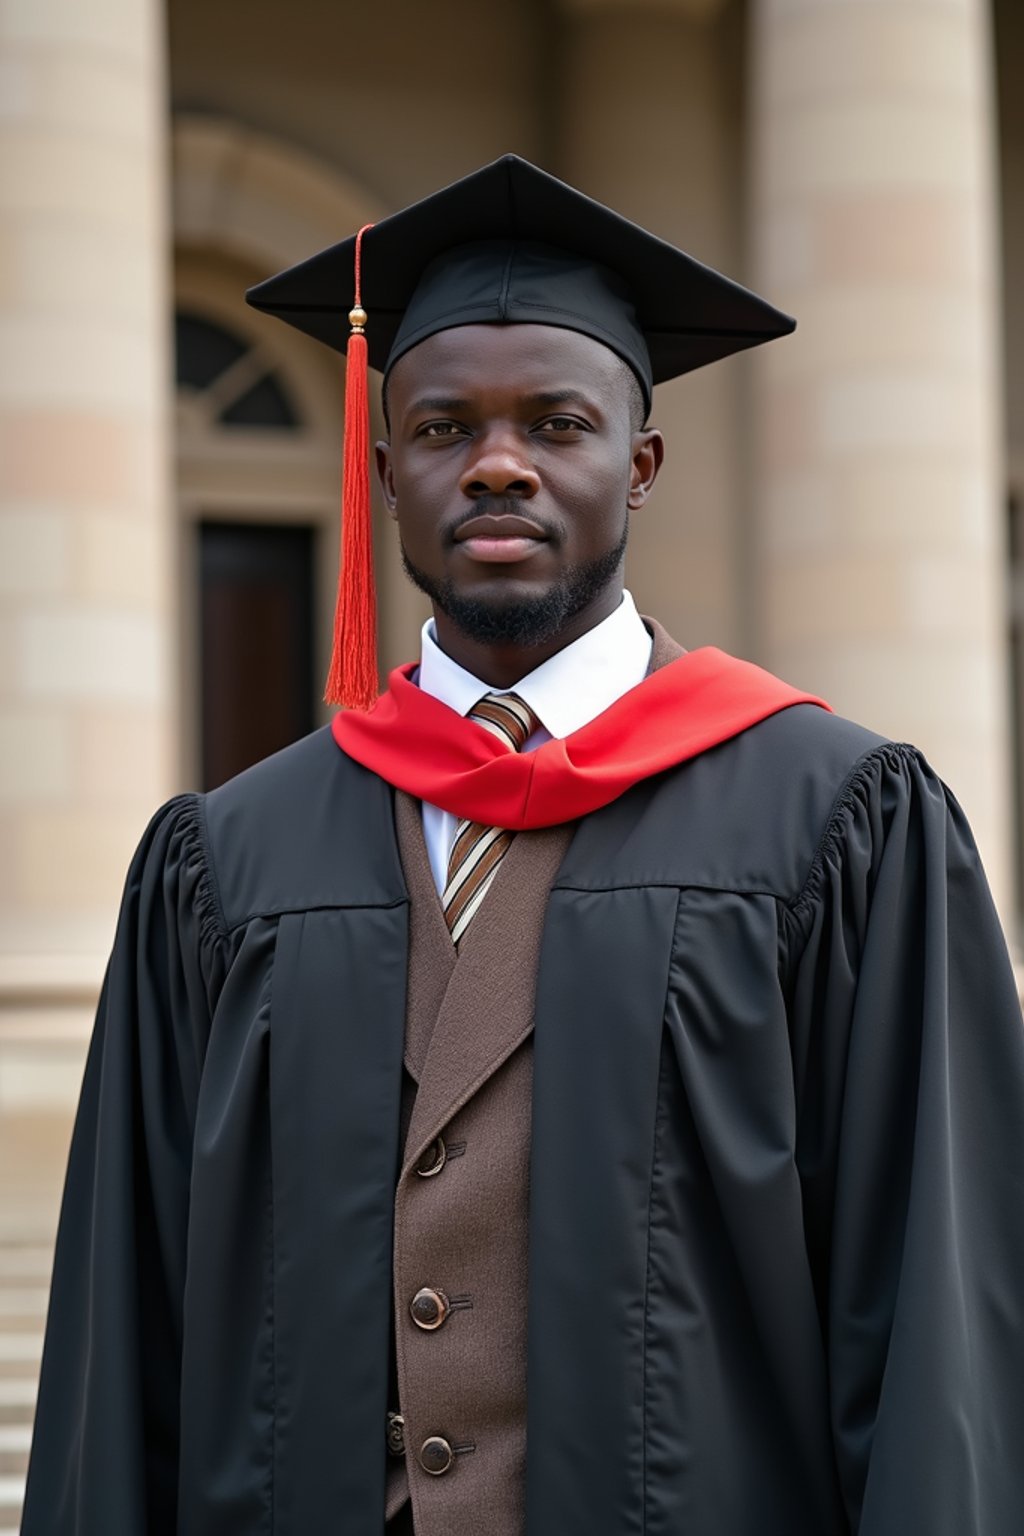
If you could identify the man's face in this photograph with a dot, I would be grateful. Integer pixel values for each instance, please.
(511, 471)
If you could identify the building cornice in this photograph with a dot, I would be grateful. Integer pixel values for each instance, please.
(696, 10)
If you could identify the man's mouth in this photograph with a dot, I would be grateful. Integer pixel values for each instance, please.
(503, 540)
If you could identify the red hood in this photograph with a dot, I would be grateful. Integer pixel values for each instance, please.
(418, 744)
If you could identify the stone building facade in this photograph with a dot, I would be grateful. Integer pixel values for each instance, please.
(843, 508)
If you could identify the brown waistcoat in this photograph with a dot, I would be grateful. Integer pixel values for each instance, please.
(463, 1231)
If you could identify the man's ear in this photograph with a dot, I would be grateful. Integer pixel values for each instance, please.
(385, 474)
(648, 457)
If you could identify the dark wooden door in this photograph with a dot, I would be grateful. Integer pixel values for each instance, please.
(256, 643)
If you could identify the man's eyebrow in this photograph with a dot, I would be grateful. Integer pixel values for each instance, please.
(443, 403)
(543, 397)
(560, 397)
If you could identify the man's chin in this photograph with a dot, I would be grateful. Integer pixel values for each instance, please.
(523, 621)
(515, 612)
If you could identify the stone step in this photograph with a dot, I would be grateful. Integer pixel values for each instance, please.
(23, 1301)
(24, 1227)
(25, 1261)
(12, 1496)
(15, 1444)
(20, 1346)
(17, 1392)
(10, 1417)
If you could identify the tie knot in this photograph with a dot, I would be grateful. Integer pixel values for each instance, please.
(505, 716)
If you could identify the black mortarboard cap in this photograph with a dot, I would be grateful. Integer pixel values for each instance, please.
(511, 243)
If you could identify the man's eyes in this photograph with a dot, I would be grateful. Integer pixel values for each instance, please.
(440, 429)
(563, 424)
(550, 426)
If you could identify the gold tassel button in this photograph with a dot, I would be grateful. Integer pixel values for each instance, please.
(357, 318)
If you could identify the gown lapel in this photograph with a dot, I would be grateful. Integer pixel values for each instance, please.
(432, 955)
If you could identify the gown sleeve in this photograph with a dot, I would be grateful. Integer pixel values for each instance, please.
(105, 1448)
(909, 1056)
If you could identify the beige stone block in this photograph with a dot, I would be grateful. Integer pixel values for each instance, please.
(936, 335)
(15, 85)
(876, 326)
(56, 266)
(40, 1080)
(787, 254)
(909, 413)
(75, 858)
(934, 504)
(8, 651)
(849, 49)
(798, 514)
(10, 268)
(684, 576)
(114, 182)
(947, 595)
(883, 503)
(119, 755)
(78, 457)
(117, 560)
(922, 238)
(36, 759)
(82, 653)
(868, 145)
(84, 361)
(85, 931)
(121, 27)
(10, 894)
(812, 597)
(787, 427)
(34, 551)
(911, 688)
(94, 92)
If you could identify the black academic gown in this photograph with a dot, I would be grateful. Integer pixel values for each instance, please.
(777, 1191)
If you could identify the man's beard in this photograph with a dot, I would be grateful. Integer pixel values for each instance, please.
(522, 622)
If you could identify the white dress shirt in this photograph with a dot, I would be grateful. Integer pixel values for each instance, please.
(565, 692)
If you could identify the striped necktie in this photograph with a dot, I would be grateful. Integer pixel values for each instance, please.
(478, 850)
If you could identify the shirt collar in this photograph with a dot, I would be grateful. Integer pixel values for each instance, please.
(568, 690)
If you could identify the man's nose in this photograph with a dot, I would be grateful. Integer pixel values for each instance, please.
(499, 466)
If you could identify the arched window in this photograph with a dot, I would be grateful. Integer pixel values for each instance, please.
(223, 376)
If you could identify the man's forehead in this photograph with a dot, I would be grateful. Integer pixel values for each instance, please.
(543, 362)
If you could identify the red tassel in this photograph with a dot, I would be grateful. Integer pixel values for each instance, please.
(352, 680)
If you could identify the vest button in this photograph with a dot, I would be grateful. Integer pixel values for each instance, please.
(429, 1309)
(436, 1456)
(433, 1159)
(396, 1434)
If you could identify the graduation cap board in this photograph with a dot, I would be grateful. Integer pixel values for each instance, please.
(508, 244)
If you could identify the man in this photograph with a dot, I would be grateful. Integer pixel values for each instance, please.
(581, 1095)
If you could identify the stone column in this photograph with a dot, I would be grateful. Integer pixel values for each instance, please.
(86, 556)
(878, 483)
(649, 121)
